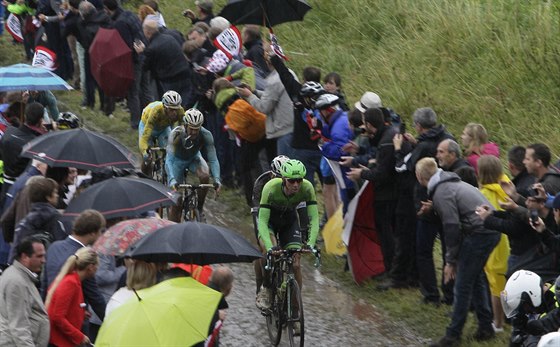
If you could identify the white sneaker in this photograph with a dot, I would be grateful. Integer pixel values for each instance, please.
(497, 330)
(263, 299)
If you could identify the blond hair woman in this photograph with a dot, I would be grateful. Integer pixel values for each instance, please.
(475, 141)
(65, 299)
(140, 275)
(490, 174)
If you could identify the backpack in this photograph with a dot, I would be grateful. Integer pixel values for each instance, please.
(25, 229)
(248, 123)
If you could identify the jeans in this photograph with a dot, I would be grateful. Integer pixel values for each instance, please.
(471, 283)
(81, 52)
(426, 233)
(311, 159)
(283, 145)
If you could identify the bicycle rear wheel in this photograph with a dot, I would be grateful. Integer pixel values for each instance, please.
(190, 215)
(274, 317)
(295, 314)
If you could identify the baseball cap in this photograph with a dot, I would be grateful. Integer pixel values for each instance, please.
(368, 100)
(552, 201)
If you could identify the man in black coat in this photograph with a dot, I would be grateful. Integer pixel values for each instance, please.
(522, 180)
(165, 60)
(255, 52)
(13, 141)
(130, 28)
(384, 176)
(90, 21)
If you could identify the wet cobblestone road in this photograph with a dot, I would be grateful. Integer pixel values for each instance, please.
(332, 316)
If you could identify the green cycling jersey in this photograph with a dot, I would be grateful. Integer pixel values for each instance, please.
(275, 201)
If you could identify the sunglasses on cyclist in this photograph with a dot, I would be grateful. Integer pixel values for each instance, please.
(294, 180)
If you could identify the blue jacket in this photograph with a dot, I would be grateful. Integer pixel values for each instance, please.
(339, 133)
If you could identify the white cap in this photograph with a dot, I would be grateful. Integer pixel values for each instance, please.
(368, 100)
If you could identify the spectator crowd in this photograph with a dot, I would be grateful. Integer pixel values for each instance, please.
(428, 183)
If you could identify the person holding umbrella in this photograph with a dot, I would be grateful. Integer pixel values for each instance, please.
(184, 151)
(205, 14)
(157, 119)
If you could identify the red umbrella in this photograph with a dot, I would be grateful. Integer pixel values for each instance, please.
(111, 63)
(120, 236)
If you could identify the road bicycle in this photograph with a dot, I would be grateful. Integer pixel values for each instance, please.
(157, 162)
(286, 307)
(189, 201)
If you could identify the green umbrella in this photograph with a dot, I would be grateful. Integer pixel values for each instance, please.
(175, 312)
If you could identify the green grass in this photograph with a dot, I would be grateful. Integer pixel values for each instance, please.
(490, 61)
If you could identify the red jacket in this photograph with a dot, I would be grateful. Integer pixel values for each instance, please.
(67, 312)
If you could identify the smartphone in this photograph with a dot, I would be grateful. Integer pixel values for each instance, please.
(534, 216)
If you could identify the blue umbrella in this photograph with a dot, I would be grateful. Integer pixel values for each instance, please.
(27, 77)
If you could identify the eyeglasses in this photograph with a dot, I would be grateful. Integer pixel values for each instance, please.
(295, 180)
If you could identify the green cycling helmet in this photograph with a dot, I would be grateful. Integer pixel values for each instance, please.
(293, 169)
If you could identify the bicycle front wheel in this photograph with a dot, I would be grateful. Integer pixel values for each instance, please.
(295, 321)
(274, 316)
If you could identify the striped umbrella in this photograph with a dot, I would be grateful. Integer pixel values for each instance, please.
(27, 77)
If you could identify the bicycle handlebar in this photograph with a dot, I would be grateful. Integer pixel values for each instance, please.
(289, 252)
(195, 186)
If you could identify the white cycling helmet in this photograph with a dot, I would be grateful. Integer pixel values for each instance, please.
(522, 287)
(550, 340)
(326, 101)
(193, 118)
(171, 99)
(276, 164)
(311, 89)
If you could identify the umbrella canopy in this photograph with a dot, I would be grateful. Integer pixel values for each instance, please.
(175, 312)
(111, 63)
(27, 77)
(264, 12)
(196, 243)
(80, 148)
(121, 197)
(120, 236)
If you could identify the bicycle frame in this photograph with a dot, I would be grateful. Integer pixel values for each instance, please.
(157, 159)
(189, 196)
(286, 295)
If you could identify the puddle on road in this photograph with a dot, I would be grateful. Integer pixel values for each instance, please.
(332, 316)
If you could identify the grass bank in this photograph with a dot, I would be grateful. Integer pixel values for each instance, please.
(493, 62)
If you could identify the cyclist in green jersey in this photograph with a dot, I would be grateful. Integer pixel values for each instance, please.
(278, 220)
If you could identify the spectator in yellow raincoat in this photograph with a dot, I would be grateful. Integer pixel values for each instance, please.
(490, 174)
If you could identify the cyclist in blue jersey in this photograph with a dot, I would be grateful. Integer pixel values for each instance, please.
(184, 152)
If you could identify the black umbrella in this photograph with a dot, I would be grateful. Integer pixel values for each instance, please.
(194, 243)
(264, 12)
(79, 148)
(121, 197)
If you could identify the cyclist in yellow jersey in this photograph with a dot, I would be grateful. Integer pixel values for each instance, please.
(158, 118)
